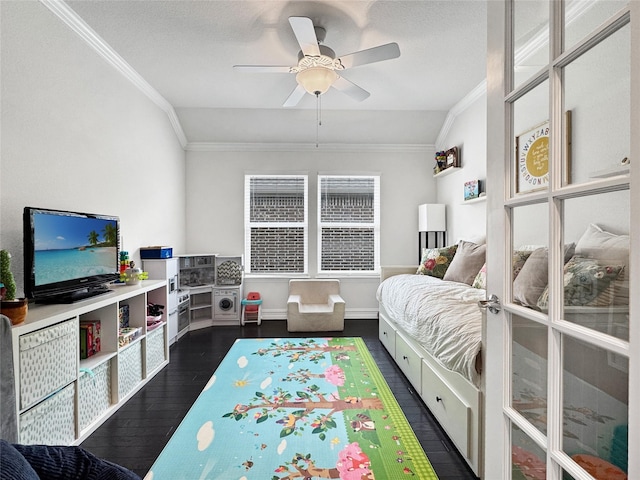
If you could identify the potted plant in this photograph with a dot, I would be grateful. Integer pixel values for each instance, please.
(15, 309)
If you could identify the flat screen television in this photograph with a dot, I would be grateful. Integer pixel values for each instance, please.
(69, 256)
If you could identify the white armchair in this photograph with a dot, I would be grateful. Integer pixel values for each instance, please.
(315, 305)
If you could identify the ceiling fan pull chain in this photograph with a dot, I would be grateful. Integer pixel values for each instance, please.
(318, 120)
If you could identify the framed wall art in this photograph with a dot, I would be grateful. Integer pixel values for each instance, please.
(453, 158)
(532, 159)
(471, 190)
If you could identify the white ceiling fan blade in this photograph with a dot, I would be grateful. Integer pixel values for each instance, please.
(371, 55)
(306, 35)
(262, 68)
(354, 91)
(295, 96)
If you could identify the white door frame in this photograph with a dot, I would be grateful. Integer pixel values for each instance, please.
(496, 379)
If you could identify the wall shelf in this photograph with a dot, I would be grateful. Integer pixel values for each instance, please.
(474, 200)
(446, 172)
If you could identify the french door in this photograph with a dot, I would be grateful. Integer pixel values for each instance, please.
(562, 378)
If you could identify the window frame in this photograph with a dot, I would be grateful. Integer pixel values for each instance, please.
(248, 225)
(375, 225)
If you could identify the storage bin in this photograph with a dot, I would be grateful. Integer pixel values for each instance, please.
(129, 369)
(156, 252)
(155, 349)
(52, 421)
(38, 375)
(94, 394)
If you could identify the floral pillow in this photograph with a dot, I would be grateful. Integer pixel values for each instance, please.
(584, 281)
(481, 278)
(518, 260)
(519, 257)
(435, 261)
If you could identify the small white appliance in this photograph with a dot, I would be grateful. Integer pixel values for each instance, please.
(226, 303)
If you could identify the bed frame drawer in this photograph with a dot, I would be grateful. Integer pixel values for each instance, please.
(387, 335)
(451, 411)
(409, 361)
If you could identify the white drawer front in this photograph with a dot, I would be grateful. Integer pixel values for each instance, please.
(129, 369)
(39, 376)
(409, 361)
(52, 421)
(155, 349)
(94, 394)
(453, 414)
(387, 336)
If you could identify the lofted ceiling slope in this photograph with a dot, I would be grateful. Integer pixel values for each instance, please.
(186, 50)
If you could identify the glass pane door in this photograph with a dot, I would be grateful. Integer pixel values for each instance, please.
(562, 122)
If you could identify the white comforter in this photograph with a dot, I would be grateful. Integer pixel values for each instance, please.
(443, 317)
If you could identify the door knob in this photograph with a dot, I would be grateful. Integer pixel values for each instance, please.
(492, 304)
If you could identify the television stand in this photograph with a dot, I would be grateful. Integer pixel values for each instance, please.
(72, 297)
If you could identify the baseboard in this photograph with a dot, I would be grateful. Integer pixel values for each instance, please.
(350, 314)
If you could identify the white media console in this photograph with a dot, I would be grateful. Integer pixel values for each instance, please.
(61, 398)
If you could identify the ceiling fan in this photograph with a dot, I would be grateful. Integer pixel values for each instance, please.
(318, 67)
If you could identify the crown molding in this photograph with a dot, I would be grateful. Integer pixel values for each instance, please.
(468, 100)
(102, 48)
(307, 147)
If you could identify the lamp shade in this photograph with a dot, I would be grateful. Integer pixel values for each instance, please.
(316, 80)
(432, 217)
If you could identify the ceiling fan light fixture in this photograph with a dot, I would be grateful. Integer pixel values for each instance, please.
(316, 80)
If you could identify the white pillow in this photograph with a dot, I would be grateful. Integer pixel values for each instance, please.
(604, 246)
(608, 249)
(466, 263)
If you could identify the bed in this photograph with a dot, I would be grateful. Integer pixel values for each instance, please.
(432, 327)
(431, 324)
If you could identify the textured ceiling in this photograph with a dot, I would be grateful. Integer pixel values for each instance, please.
(186, 50)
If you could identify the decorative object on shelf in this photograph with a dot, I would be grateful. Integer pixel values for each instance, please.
(532, 159)
(124, 260)
(441, 162)
(156, 252)
(453, 159)
(14, 308)
(431, 219)
(123, 316)
(128, 335)
(471, 189)
(133, 275)
(154, 315)
(446, 159)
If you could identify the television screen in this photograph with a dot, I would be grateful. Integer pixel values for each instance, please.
(66, 252)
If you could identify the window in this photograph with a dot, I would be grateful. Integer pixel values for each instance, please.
(276, 223)
(348, 223)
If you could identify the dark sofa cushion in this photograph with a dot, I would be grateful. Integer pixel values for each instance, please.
(71, 463)
(13, 465)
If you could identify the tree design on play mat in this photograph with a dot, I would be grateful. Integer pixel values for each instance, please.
(306, 402)
(353, 464)
(309, 350)
(333, 374)
(293, 410)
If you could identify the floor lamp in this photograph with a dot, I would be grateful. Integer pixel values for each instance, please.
(431, 219)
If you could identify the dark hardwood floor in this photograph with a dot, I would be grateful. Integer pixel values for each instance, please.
(136, 434)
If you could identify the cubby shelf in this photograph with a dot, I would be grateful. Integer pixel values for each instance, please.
(80, 394)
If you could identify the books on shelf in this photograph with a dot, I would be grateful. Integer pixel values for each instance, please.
(127, 335)
(89, 338)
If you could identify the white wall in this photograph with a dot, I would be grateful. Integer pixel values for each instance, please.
(469, 133)
(215, 206)
(76, 135)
